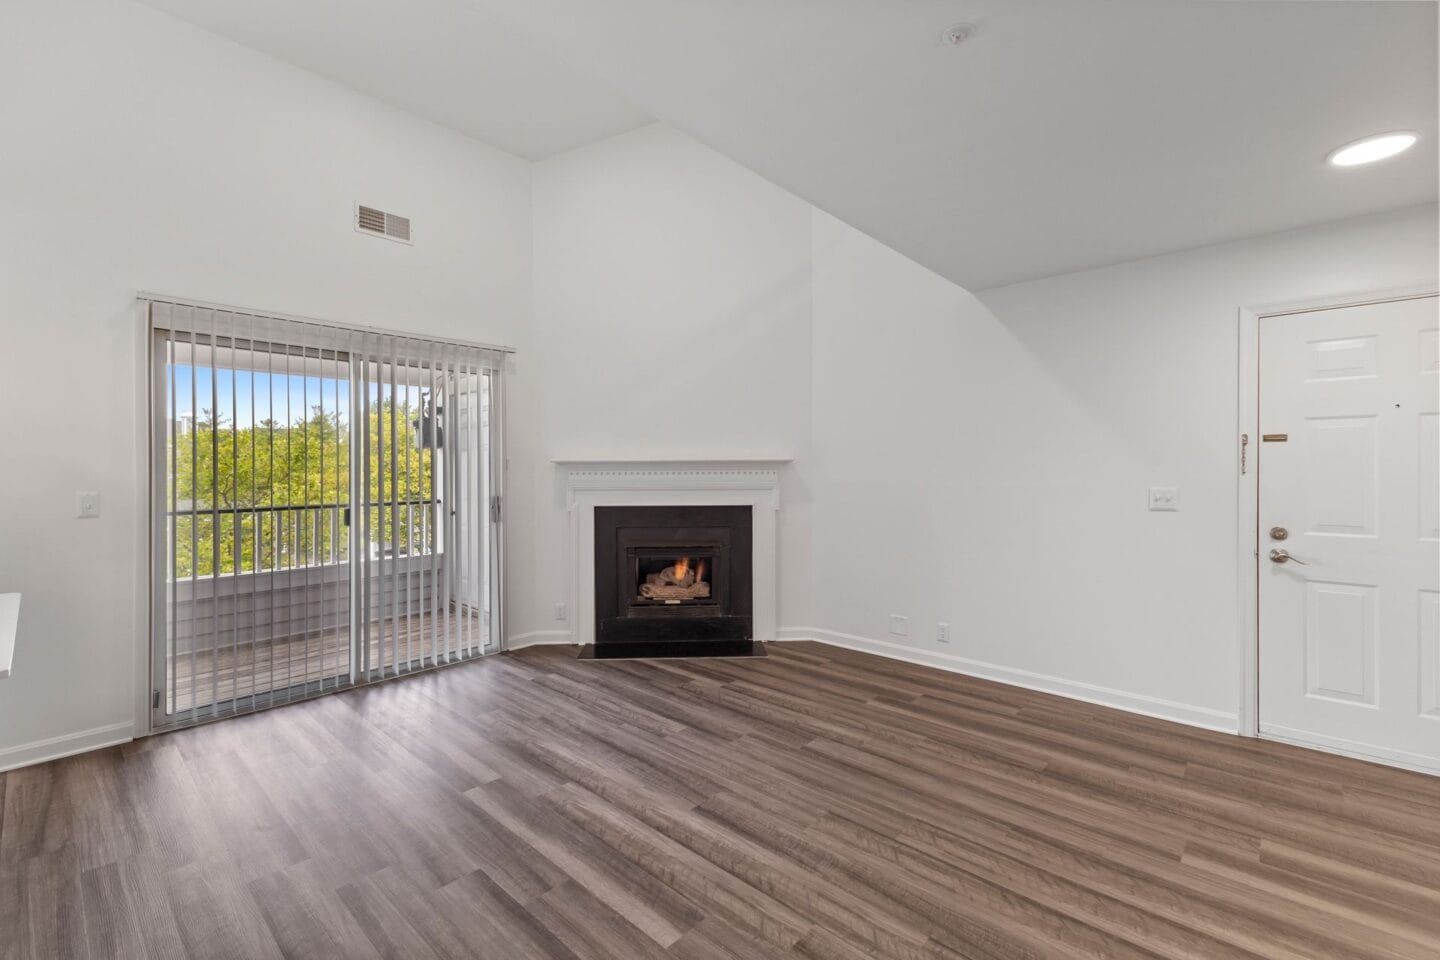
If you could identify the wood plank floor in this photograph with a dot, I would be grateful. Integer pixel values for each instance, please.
(819, 803)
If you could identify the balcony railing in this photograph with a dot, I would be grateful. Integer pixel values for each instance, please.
(269, 539)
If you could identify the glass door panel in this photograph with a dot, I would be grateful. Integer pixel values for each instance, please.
(256, 468)
(425, 519)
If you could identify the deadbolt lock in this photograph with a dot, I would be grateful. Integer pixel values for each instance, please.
(1278, 533)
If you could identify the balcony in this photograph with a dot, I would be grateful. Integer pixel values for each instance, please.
(263, 610)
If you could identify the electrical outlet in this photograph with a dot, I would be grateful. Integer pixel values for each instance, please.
(899, 626)
(1165, 498)
(89, 507)
(942, 632)
(560, 610)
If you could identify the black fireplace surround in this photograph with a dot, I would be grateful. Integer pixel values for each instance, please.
(673, 581)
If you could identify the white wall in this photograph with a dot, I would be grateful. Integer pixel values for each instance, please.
(985, 460)
(672, 320)
(142, 153)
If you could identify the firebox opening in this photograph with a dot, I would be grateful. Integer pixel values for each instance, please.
(674, 578)
(673, 581)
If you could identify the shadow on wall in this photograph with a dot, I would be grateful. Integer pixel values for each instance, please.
(986, 466)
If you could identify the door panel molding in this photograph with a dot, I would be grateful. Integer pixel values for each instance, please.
(1429, 666)
(1340, 637)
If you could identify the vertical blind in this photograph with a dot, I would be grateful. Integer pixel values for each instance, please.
(325, 507)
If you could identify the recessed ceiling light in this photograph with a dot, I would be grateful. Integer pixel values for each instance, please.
(1372, 148)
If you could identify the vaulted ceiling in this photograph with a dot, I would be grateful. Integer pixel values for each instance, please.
(446, 60)
(1062, 134)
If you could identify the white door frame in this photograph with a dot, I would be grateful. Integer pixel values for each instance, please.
(1247, 539)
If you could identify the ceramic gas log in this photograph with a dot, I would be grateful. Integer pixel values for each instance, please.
(680, 581)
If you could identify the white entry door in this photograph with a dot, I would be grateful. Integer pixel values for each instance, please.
(1349, 530)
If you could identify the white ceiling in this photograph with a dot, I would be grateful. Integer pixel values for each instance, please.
(1065, 134)
(445, 60)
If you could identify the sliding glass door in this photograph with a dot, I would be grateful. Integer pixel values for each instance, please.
(325, 508)
(428, 513)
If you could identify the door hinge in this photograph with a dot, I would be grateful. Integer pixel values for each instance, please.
(155, 700)
(1244, 449)
(495, 509)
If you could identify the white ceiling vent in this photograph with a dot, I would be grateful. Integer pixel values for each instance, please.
(391, 226)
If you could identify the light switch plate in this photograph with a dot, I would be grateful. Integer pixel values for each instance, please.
(89, 505)
(1165, 498)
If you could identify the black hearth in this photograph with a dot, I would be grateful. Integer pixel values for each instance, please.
(672, 581)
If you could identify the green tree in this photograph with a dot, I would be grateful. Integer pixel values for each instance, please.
(273, 496)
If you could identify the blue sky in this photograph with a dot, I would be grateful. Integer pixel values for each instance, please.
(233, 392)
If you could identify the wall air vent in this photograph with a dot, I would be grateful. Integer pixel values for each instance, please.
(381, 224)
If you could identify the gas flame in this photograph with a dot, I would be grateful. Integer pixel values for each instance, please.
(700, 571)
(682, 567)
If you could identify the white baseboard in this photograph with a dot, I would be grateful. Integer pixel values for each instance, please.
(1090, 693)
(536, 637)
(1350, 748)
(26, 754)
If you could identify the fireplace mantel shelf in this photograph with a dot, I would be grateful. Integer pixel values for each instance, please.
(675, 476)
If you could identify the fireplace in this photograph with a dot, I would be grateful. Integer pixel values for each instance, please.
(673, 581)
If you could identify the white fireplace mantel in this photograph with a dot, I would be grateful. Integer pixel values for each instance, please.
(637, 483)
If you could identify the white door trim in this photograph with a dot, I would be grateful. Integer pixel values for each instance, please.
(145, 496)
(1247, 537)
